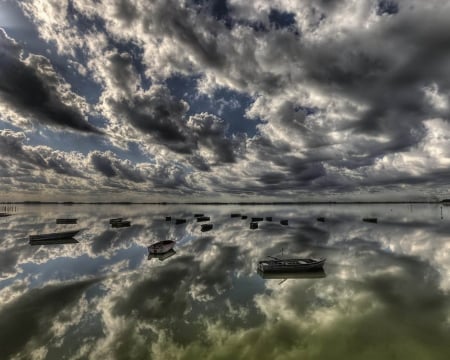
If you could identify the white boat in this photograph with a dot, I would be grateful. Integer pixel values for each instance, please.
(161, 247)
(53, 236)
(290, 265)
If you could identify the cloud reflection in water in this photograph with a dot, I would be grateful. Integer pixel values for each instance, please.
(385, 293)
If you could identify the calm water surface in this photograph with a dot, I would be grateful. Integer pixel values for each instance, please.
(385, 294)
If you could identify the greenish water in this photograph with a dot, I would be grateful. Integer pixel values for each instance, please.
(385, 294)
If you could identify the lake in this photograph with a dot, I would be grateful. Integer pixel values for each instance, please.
(384, 294)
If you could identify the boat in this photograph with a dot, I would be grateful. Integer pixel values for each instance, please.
(54, 242)
(179, 221)
(198, 215)
(162, 257)
(206, 227)
(115, 220)
(253, 225)
(168, 218)
(235, 215)
(66, 221)
(321, 219)
(120, 224)
(371, 220)
(290, 265)
(203, 218)
(54, 236)
(284, 222)
(244, 217)
(161, 247)
(3, 214)
(257, 219)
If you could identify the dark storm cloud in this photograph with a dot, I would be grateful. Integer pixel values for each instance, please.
(178, 22)
(31, 315)
(27, 91)
(42, 157)
(390, 83)
(156, 113)
(108, 165)
(209, 131)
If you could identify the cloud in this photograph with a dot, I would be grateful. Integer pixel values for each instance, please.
(34, 312)
(110, 166)
(343, 92)
(41, 157)
(32, 89)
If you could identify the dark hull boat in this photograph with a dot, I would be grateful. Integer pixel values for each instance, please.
(254, 219)
(206, 227)
(120, 224)
(371, 220)
(53, 236)
(198, 215)
(203, 218)
(66, 221)
(284, 222)
(179, 221)
(116, 220)
(161, 247)
(2, 214)
(235, 215)
(290, 265)
(253, 225)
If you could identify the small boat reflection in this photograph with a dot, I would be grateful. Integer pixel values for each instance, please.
(54, 236)
(313, 274)
(54, 242)
(162, 257)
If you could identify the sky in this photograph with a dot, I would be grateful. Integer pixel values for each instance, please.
(224, 100)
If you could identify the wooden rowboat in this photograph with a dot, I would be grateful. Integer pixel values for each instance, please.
(290, 265)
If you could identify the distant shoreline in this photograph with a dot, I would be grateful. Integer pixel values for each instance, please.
(247, 203)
